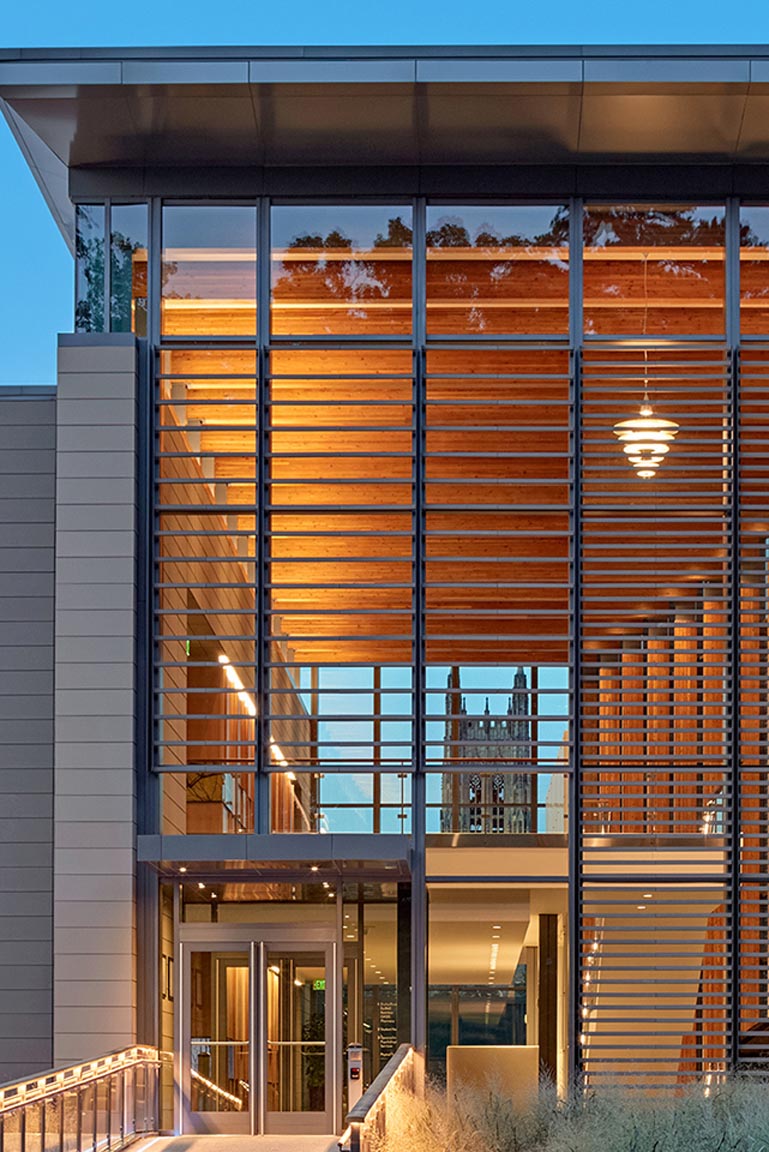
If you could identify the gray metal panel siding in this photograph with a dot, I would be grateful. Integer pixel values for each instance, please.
(27, 434)
(94, 810)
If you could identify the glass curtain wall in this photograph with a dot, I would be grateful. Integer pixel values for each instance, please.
(325, 499)
(655, 645)
(412, 472)
(497, 522)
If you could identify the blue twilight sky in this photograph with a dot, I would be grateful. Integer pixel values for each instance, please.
(36, 288)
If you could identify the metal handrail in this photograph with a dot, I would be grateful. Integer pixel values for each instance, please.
(369, 1116)
(98, 1105)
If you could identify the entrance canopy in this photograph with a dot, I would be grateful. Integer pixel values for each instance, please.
(205, 109)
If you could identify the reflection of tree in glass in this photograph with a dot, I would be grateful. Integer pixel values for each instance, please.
(483, 280)
(653, 227)
(122, 286)
(355, 279)
(750, 239)
(452, 233)
(658, 227)
(89, 307)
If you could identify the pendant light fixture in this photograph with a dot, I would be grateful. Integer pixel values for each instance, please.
(646, 438)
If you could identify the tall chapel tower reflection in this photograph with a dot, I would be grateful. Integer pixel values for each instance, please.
(489, 798)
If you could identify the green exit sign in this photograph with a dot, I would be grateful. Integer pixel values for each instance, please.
(319, 985)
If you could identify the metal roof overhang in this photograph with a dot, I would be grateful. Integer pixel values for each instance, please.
(282, 108)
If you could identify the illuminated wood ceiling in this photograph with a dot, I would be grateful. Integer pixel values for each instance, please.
(497, 548)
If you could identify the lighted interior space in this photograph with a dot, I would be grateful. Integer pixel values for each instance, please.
(321, 505)
(497, 978)
(370, 923)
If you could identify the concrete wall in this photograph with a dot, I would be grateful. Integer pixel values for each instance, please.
(27, 482)
(95, 804)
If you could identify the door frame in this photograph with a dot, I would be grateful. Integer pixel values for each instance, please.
(299, 1123)
(255, 939)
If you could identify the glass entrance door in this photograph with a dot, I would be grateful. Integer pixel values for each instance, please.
(298, 1066)
(217, 1052)
(258, 1036)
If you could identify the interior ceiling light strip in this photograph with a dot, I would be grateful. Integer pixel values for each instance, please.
(248, 703)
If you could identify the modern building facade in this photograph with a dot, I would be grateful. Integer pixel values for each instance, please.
(384, 584)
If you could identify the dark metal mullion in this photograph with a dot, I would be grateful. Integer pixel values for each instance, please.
(419, 973)
(733, 829)
(575, 888)
(149, 510)
(261, 655)
(107, 325)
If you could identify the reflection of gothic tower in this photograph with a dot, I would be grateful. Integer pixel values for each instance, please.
(488, 800)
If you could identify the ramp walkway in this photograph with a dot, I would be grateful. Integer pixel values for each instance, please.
(239, 1144)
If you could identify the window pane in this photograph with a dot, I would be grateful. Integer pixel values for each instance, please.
(340, 552)
(295, 1015)
(341, 802)
(209, 271)
(654, 269)
(497, 549)
(497, 270)
(220, 1031)
(341, 270)
(754, 270)
(89, 254)
(656, 650)
(497, 958)
(128, 268)
(656, 980)
(206, 604)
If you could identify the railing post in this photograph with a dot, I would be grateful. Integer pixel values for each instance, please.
(23, 1128)
(156, 1097)
(79, 1120)
(121, 1104)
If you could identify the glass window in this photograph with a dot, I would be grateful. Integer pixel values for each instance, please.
(376, 939)
(497, 961)
(342, 271)
(209, 271)
(206, 604)
(341, 802)
(655, 981)
(754, 270)
(497, 548)
(128, 268)
(89, 271)
(340, 552)
(655, 662)
(497, 270)
(654, 270)
(220, 1031)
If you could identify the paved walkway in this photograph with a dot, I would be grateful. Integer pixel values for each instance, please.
(240, 1144)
